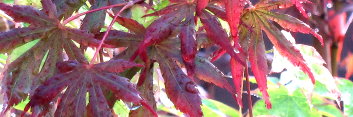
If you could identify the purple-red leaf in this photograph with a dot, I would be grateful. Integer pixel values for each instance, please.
(26, 14)
(200, 5)
(179, 88)
(166, 10)
(116, 65)
(83, 37)
(132, 25)
(94, 22)
(218, 11)
(65, 8)
(216, 33)
(18, 36)
(121, 39)
(206, 71)
(188, 47)
(158, 31)
(49, 8)
(161, 29)
(80, 80)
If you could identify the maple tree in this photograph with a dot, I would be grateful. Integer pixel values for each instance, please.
(56, 75)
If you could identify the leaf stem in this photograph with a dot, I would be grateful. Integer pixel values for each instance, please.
(248, 90)
(90, 11)
(127, 5)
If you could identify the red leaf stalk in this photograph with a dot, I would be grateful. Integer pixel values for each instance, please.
(91, 11)
(248, 90)
(129, 4)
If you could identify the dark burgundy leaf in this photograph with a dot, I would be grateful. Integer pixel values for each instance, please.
(179, 88)
(98, 106)
(125, 13)
(158, 31)
(65, 8)
(132, 25)
(218, 11)
(83, 37)
(200, 5)
(121, 39)
(67, 66)
(161, 29)
(116, 65)
(27, 14)
(188, 47)
(49, 8)
(206, 71)
(94, 22)
(18, 36)
(79, 81)
(217, 34)
(166, 10)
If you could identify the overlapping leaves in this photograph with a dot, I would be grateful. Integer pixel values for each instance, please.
(260, 18)
(78, 80)
(171, 40)
(26, 73)
(159, 42)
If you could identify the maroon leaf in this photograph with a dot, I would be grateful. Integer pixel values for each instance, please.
(132, 25)
(258, 62)
(79, 81)
(218, 35)
(166, 10)
(93, 22)
(65, 8)
(179, 88)
(27, 14)
(218, 11)
(121, 39)
(18, 36)
(116, 65)
(83, 37)
(200, 5)
(49, 8)
(158, 31)
(188, 47)
(26, 73)
(206, 71)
